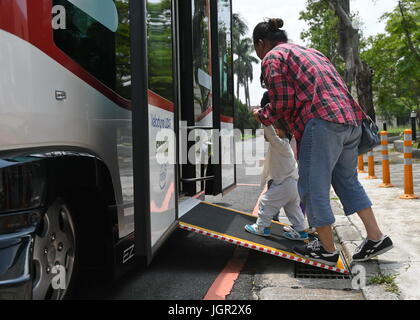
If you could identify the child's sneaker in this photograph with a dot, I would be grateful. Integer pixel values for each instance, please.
(255, 229)
(296, 235)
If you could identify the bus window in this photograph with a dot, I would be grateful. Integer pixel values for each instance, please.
(202, 67)
(160, 51)
(122, 49)
(88, 42)
(225, 56)
(91, 41)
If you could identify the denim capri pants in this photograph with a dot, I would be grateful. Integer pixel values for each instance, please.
(328, 156)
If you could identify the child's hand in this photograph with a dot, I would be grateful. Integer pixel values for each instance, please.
(256, 114)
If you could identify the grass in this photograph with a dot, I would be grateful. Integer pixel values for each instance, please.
(396, 130)
(387, 280)
(248, 136)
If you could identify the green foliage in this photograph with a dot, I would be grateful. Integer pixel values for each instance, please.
(393, 56)
(160, 48)
(244, 118)
(322, 33)
(396, 65)
(387, 280)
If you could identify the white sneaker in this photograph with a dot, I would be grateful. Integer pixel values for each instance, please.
(290, 228)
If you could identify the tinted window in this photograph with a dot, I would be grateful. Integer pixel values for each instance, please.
(201, 45)
(160, 48)
(122, 49)
(102, 52)
(225, 56)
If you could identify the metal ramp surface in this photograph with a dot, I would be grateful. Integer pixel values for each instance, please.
(228, 225)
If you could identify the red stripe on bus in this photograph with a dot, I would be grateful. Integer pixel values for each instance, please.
(160, 102)
(226, 119)
(31, 21)
(204, 114)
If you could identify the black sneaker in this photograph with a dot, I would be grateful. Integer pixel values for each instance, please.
(369, 249)
(315, 251)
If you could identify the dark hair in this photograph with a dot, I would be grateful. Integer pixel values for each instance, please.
(270, 30)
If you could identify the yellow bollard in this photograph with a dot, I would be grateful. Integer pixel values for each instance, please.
(408, 167)
(361, 164)
(371, 166)
(386, 175)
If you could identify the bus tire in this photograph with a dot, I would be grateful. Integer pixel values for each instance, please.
(56, 253)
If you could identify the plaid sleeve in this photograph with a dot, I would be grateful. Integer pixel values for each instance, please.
(280, 90)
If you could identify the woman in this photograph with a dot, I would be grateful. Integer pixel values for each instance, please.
(306, 91)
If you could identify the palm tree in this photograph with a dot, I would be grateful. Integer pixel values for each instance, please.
(243, 66)
(240, 28)
(242, 48)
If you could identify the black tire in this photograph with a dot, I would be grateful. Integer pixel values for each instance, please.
(95, 241)
(92, 259)
(56, 252)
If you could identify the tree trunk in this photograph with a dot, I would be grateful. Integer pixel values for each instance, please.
(237, 88)
(356, 71)
(364, 90)
(246, 87)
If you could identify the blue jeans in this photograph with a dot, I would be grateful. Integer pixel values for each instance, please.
(328, 156)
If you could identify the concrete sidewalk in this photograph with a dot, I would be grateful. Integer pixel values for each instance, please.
(395, 274)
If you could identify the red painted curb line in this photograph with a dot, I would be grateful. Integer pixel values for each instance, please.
(225, 281)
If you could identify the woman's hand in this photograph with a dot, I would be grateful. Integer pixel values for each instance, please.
(256, 114)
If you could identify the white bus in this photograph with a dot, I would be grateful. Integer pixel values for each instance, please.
(85, 86)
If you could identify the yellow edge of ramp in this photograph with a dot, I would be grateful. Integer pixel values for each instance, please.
(340, 268)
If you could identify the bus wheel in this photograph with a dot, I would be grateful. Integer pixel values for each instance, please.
(55, 253)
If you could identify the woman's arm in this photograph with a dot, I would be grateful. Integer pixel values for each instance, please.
(280, 90)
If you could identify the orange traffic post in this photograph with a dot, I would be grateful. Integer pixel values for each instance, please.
(386, 175)
(371, 166)
(408, 166)
(361, 164)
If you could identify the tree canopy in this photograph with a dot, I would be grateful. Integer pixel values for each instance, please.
(392, 56)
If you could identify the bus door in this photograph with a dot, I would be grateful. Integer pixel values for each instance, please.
(206, 97)
(226, 114)
(154, 123)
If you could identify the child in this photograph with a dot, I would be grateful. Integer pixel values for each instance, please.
(281, 174)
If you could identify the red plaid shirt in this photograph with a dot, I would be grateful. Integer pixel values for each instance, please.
(303, 84)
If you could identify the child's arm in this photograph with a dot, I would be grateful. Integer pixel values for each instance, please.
(274, 140)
